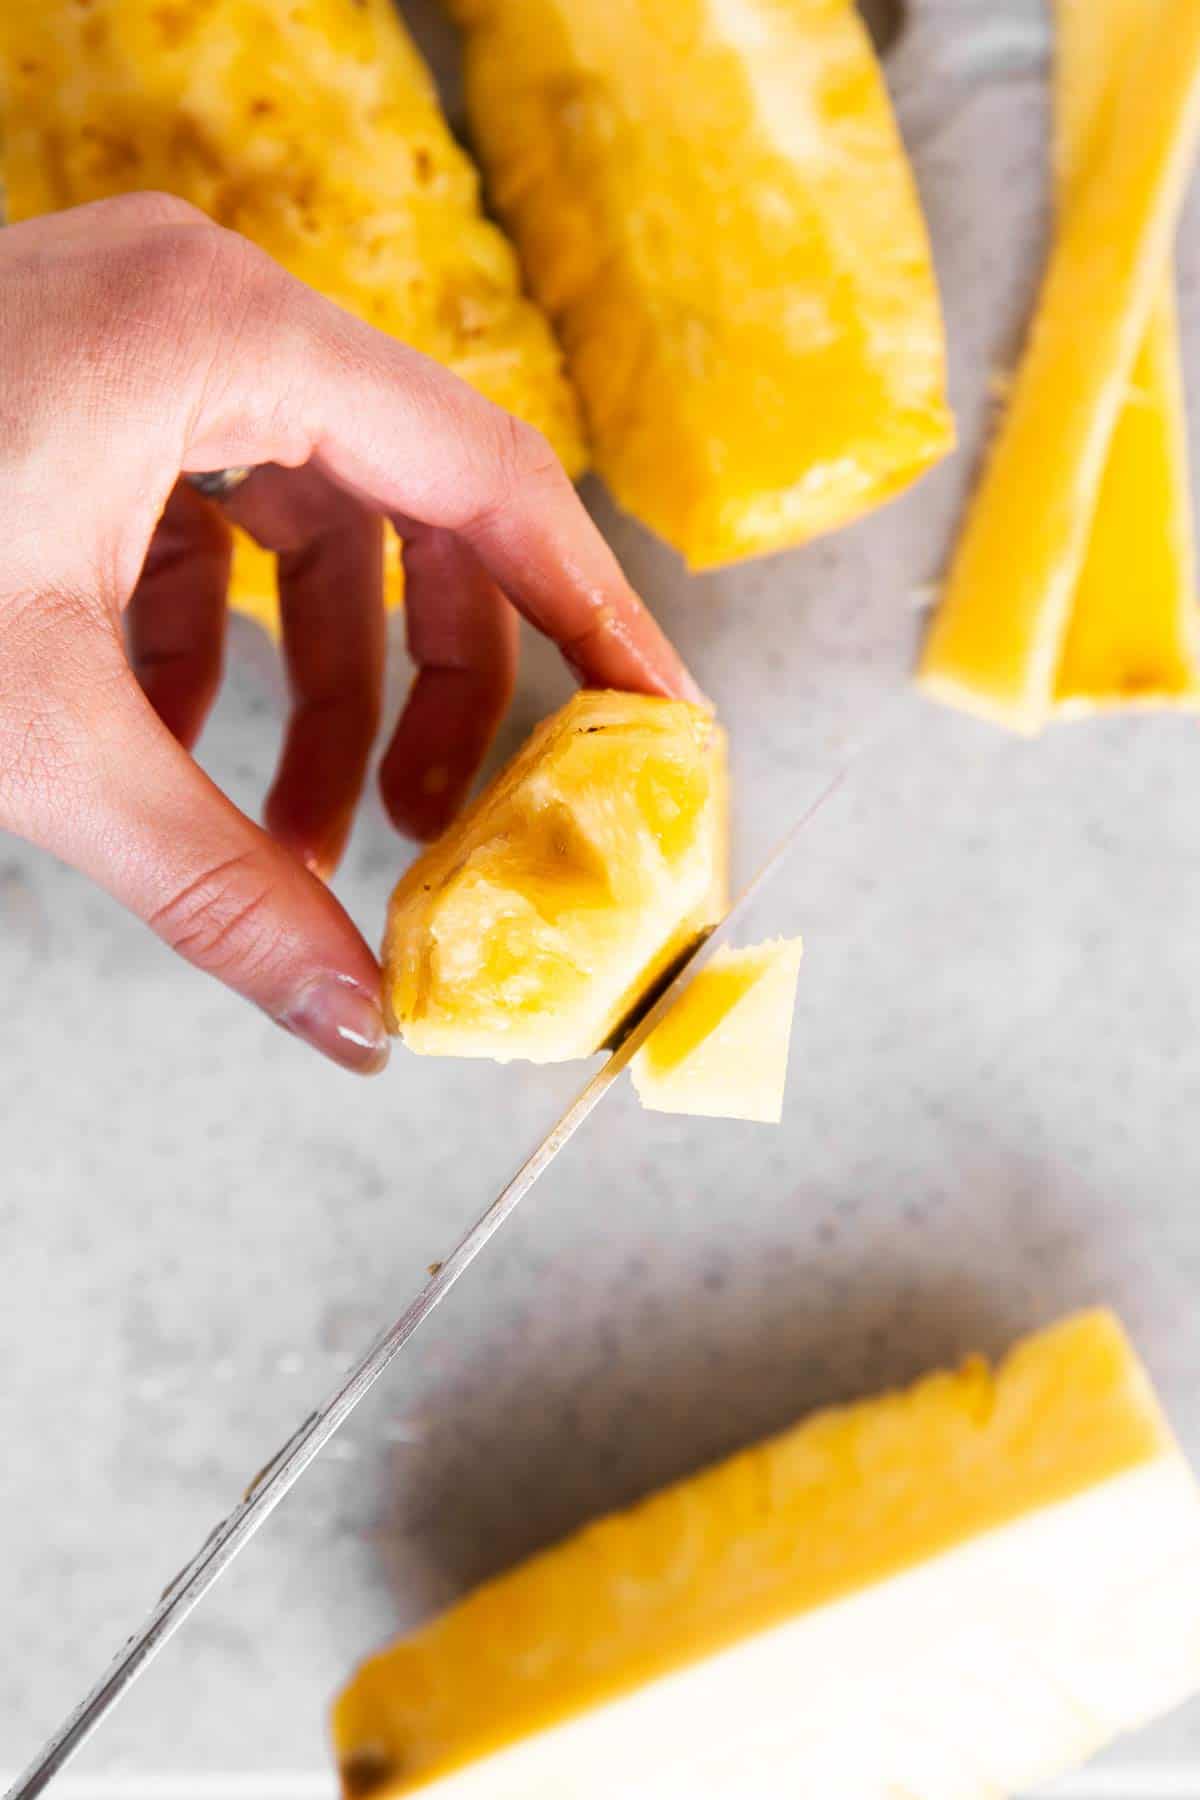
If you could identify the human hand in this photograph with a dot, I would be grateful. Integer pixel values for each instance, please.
(137, 342)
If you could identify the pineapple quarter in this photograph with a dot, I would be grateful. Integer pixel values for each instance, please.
(314, 130)
(713, 204)
(541, 917)
(955, 1591)
(722, 1050)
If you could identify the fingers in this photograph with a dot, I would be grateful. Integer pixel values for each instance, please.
(462, 635)
(112, 792)
(175, 624)
(300, 379)
(330, 551)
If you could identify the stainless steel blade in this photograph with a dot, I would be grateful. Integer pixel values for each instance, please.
(285, 1468)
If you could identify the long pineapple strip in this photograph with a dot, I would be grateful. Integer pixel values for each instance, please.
(315, 130)
(713, 203)
(955, 1591)
(1132, 637)
(997, 639)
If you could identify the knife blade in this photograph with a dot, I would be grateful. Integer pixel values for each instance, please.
(285, 1468)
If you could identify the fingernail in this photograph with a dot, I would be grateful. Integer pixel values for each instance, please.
(694, 692)
(342, 1021)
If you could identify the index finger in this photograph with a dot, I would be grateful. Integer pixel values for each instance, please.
(293, 377)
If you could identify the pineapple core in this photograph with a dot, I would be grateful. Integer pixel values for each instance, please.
(541, 918)
(722, 1050)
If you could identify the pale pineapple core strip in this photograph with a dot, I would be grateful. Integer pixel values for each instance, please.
(1134, 626)
(713, 203)
(953, 1591)
(314, 130)
(998, 636)
(722, 1050)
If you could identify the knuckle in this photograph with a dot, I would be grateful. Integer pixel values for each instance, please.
(222, 919)
(524, 454)
(173, 259)
(188, 266)
(520, 466)
(150, 206)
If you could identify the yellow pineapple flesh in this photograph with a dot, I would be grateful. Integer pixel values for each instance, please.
(713, 204)
(1134, 632)
(997, 639)
(316, 131)
(955, 1591)
(722, 1050)
(538, 921)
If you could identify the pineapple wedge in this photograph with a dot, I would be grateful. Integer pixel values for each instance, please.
(722, 1050)
(539, 920)
(314, 130)
(713, 204)
(1134, 627)
(953, 1592)
(998, 636)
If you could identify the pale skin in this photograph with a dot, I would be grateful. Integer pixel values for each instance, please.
(138, 343)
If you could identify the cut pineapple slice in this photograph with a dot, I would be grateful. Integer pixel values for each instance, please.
(997, 639)
(722, 1050)
(1132, 637)
(953, 1592)
(713, 203)
(542, 916)
(316, 131)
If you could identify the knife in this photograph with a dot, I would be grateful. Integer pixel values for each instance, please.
(285, 1468)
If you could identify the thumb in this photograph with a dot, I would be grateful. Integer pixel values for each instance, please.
(124, 803)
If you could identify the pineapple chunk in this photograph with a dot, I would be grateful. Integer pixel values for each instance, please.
(997, 641)
(1132, 637)
(539, 920)
(314, 130)
(952, 1592)
(722, 1050)
(713, 204)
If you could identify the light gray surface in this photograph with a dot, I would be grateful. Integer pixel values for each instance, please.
(992, 1118)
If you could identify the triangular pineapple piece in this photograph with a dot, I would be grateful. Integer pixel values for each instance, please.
(953, 1592)
(1134, 632)
(540, 918)
(315, 130)
(722, 1050)
(998, 636)
(713, 204)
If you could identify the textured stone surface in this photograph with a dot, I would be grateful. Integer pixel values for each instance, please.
(992, 1117)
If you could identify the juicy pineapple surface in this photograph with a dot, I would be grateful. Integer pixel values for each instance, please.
(951, 1592)
(712, 202)
(537, 922)
(722, 1050)
(313, 129)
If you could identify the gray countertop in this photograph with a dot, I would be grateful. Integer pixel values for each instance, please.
(991, 1119)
